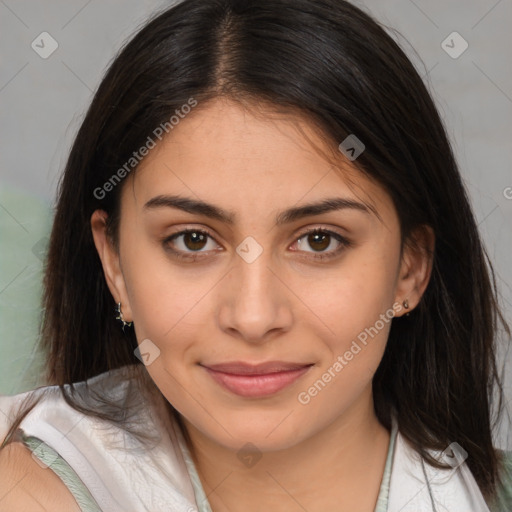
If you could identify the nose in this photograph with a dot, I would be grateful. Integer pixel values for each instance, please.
(255, 302)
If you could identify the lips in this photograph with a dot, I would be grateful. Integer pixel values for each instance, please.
(256, 380)
(241, 368)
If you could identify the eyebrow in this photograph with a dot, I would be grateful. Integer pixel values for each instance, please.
(199, 207)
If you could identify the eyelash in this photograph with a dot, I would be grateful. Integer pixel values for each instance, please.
(318, 256)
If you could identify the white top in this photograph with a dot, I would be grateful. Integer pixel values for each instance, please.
(120, 472)
(112, 469)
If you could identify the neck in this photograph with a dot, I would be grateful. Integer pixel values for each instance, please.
(338, 468)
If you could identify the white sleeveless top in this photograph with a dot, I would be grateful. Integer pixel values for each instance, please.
(111, 469)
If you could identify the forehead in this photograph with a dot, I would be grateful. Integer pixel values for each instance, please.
(250, 158)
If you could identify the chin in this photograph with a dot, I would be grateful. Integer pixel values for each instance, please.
(266, 433)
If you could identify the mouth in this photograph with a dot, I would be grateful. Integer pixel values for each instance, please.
(254, 381)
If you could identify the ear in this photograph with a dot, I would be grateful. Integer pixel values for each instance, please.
(109, 257)
(415, 267)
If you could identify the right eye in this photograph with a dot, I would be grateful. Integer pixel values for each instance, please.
(190, 245)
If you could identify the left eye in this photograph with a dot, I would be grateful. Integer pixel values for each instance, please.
(321, 239)
(194, 240)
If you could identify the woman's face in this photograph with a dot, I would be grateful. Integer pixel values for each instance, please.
(257, 288)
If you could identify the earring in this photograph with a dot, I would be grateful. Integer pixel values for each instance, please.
(406, 303)
(120, 317)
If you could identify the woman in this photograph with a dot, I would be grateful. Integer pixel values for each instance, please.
(265, 287)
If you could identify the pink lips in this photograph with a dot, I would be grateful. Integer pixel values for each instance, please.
(256, 380)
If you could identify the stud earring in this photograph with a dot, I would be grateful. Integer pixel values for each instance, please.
(120, 317)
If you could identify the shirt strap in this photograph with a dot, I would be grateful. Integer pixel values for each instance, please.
(47, 457)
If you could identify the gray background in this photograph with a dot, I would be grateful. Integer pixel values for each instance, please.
(42, 102)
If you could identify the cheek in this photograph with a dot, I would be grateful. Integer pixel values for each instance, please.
(165, 303)
(357, 306)
(355, 295)
(359, 314)
(163, 297)
(359, 324)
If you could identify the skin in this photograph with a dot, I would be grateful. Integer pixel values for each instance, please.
(285, 305)
(26, 486)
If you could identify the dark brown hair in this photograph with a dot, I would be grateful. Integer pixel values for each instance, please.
(339, 68)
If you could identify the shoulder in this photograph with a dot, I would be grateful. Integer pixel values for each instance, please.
(27, 486)
(97, 393)
(125, 450)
